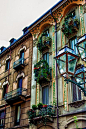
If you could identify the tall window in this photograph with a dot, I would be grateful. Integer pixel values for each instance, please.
(20, 82)
(7, 64)
(17, 115)
(46, 57)
(72, 44)
(45, 95)
(5, 90)
(75, 91)
(2, 120)
(22, 54)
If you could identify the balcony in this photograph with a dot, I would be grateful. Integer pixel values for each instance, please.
(42, 72)
(44, 114)
(19, 64)
(15, 95)
(70, 26)
(44, 41)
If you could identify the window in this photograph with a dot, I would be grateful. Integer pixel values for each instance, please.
(72, 14)
(5, 90)
(75, 91)
(47, 32)
(7, 64)
(22, 54)
(2, 118)
(72, 44)
(20, 82)
(45, 95)
(46, 57)
(17, 115)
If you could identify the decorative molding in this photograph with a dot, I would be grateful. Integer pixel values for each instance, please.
(34, 42)
(6, 82)
(77, 104)
(23, 47)
(20, 75)
(85, 8)
(7, 58)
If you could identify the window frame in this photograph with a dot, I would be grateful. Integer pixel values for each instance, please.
(7, 65)
(17, 121)
(45, 100)
(5, 88)
(76, 93)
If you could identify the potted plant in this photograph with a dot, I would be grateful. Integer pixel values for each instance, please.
(34, 107)
(44, 105)
(31, 113)
(40, 105)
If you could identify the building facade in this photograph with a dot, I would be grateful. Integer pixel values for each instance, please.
(62, 25)
(15, 82)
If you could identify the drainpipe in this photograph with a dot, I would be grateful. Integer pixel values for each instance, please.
(56, 67)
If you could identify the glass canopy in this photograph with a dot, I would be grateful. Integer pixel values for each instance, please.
(66, 61)
(81, 45)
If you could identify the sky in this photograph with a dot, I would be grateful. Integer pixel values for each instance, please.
(15, 15)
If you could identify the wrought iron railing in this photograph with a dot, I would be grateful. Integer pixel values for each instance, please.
(18, 62)
(15, 93)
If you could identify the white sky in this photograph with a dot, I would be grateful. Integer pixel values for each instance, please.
(17, 14)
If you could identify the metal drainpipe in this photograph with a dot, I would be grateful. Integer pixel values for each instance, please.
(56, 67)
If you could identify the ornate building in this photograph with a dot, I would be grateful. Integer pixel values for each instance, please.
(62, 25)
(15, 82)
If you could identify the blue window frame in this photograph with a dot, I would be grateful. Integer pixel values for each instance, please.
(46, 57)
(20, 82)
(22, 54)
(45, 95)
(7, 64)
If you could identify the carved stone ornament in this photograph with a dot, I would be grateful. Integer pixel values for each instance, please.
(77, 104)
(34, 42)
(85, 8)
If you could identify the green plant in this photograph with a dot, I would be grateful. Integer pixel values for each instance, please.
(70, 25)
(75, 121)
(42, 40)
(40, 105)
(34, 107)
(31, 113)
(41, 70)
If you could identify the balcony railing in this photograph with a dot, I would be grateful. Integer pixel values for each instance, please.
(15, 95)
(43, 114)
(42, 71)
(19, 63)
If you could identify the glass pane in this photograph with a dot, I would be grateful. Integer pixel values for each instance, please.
(62, 63)
(45, 95)
(71, 64)
(73, 41)
(18, 113)
(22, 54)
(20, 83)
(80, 79)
